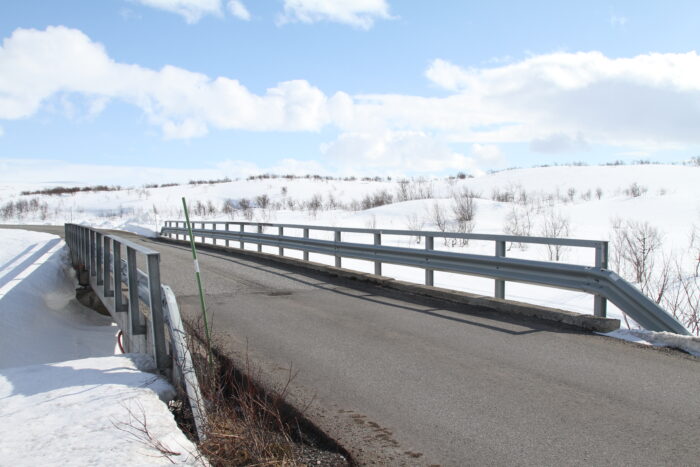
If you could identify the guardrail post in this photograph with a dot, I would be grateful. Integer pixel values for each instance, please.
(81, 247)
(500, 286)
(336, 238)
(600, 304)
(280, 232)
(378, 264)
(429, 273)
(135, 326)
(213, 239)
(306, 252)
(98, 258)
(107, 287)
(73, 244)
(241, 244)
(156, 306)
(226, 228)
(119, 304)
(260, 231)
(93, 258)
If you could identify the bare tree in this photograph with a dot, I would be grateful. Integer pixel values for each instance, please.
(464, 209)
(402, 191)
(555, 225)
(640, 242)
(263, 201)
(315, 204)
(695, 249)
(519, 221)
(439, 217)
(229, 208)
(247, 207)
(414, 222)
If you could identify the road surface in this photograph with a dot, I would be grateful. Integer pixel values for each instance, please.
(404, 380)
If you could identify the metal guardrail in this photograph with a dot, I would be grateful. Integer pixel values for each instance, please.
(145, 310)
(597, 280)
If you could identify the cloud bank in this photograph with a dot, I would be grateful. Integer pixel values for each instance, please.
(556, 103)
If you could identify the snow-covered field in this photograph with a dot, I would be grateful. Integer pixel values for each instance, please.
(65, 397)
(592, 202)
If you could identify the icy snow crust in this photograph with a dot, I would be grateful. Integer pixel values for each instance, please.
(83, 411)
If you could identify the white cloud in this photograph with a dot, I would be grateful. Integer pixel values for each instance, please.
(556, 102)
(487, 152)
(648, 99)
(357, 13)
(238, 9)
(36, 65)
(559, 143)
(191, 10)
(402, 151)
(446, 75)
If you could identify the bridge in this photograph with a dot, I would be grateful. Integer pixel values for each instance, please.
(400, 378)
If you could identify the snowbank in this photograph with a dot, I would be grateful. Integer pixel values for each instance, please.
(93, 411)
(690, 344)
(40, 319)
(102, 410)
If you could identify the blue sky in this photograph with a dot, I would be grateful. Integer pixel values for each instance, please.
(347, 86)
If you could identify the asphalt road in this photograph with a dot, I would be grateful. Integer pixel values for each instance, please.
(403, 380)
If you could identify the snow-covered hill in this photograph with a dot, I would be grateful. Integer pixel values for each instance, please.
(594, 202)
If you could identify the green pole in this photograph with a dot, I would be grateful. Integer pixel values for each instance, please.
(199, 280)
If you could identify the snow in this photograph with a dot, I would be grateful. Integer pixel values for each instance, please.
(40, 319)
(65, 398)
(669, 201)
(88, 412)
(689, 344)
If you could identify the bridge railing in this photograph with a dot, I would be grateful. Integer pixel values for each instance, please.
(597, 279)
(145, 310)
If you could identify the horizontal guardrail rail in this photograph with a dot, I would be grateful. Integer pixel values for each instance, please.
(597, 280)
(145, 310)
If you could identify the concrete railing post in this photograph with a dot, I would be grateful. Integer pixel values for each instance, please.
(306, 252)
(227, 228)
(260, 231)
(241, 244)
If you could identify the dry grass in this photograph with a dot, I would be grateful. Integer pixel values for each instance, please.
(247, 426)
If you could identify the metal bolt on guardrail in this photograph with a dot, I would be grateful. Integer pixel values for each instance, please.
(603, 284)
